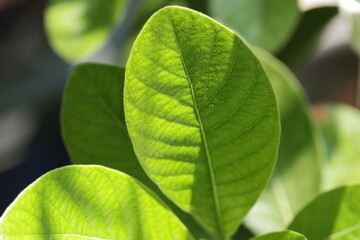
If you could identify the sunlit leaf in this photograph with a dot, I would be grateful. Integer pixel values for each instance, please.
(202, 116)
(264, 23)
(333, 215)
(91, 202)
(340, 125)
(299, 152)
(78, 28)
(94, 129)
(285, 235)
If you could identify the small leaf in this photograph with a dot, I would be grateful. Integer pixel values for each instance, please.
(288, 191)
(89, 202)
(264, 23)
(333, 215)
(202, 116)
(285, 235)
(340, 125)
(78, 28)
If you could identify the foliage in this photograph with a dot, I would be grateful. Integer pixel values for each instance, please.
(191, 131)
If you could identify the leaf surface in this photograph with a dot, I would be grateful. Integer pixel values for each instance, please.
(89, 202)
(288, 191)
(264, 23)
(77, 28)
(333, 215)
(202, 116)
(93, 122)
(94, 129)
(340, 126)
(285, 235)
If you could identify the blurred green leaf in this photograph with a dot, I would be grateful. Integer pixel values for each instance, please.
(299, 152)
(285, 235)
(93, 125)
(355, 34)
(89, 202)
(300, 44)
(78, 28)
(264, 23)
(340, 125)
(202, 116)
(333, 215)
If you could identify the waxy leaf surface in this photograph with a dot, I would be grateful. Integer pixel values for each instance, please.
(285, 235)
(332, 215)
(89, 202)
(77, 28)
(264, 23)
(289, 191)
(202, 116)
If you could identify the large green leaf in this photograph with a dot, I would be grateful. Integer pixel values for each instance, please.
(202, 116)
(94, 129)
(265, 23)
(285, 235)
(340, 125)
(333, 215)
(289, 190)
(77, 28)
(92, 202)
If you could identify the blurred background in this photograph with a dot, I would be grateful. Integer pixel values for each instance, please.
(33, 76)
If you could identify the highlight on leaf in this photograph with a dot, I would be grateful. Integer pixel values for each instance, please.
(202, 116)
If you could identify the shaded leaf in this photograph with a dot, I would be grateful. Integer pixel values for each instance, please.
(285, 235)
(264, 23)
(202, 116)
(78, 28)
(333, 215)
(93, 123)
(340, 125)
(304, 38)
(299, 152)
(89, 202)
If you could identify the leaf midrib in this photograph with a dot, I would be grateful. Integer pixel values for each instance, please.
(218, 214)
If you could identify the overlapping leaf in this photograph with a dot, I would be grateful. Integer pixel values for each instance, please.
(91, 202)
(93, 123)
(264, 23)
(299, 152)
(285, 235)
(94, 129)
(77, 28)
(202, 116)
(340, 125)
(333, 215)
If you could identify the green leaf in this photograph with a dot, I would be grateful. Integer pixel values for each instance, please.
(202, 116)
(93, 122)
(288, 191)
(340, 125)
(89, 202)
(285, 235)
(78, 28)
(93, 125)
(264, 23)
(333, 215)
